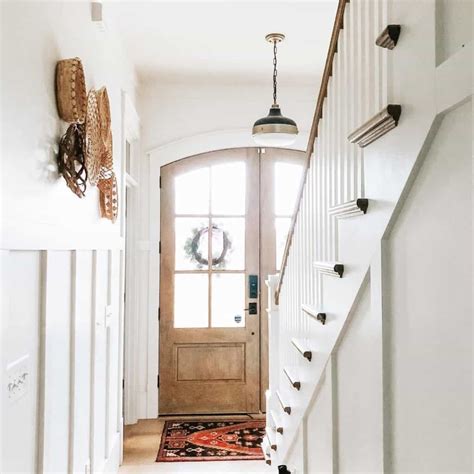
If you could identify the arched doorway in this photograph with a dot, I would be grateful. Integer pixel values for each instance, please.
(224, 219)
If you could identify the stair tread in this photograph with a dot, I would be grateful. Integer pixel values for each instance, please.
(285, 406)
(292, 376)
(303, 347)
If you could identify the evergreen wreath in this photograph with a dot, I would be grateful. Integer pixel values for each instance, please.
(191, 247)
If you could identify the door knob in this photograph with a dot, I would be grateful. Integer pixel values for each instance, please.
(252, 309)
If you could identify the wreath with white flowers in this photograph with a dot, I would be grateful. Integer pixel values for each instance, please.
(192, 252)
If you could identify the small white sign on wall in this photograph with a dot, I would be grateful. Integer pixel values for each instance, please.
(18, 375)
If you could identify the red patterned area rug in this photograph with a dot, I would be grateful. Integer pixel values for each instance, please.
(222, 440)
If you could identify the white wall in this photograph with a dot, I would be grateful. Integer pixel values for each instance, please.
(34, 36)
(454, 22)
(358, 394)
(172, 111)
(61, 265)
(319, 427)
(430, 309)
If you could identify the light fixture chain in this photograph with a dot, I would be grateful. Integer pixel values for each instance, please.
(275, 72)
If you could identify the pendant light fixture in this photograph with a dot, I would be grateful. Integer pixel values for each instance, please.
(274, 130)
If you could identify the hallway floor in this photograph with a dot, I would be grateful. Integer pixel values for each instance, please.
(141, 443)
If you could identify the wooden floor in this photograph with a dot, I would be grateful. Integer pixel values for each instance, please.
(141, 443)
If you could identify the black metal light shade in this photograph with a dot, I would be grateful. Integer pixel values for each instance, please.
(274, 129)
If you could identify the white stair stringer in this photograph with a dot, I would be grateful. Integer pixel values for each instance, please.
(275, 421)
(310, 373)
(346, 296)
(266, 451)
(270, 434)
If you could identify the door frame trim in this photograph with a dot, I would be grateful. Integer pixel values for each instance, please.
(155, 159)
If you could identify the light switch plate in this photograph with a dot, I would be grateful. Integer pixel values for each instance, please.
(18, 378)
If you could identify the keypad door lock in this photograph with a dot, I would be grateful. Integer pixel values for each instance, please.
(253, 286)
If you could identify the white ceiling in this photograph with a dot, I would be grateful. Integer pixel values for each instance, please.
(223, 40)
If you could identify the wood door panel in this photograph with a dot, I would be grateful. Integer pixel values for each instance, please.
(208, 398)
(209, 369)
(210, 362)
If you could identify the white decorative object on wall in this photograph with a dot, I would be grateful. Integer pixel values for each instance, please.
(97, 16)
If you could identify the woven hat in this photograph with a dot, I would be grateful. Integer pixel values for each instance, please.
(71, 96)
(94, 142)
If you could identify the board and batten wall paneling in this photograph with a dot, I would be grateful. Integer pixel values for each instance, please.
(21, 282)
(319, 427)
(55, 305)
(359, 391)
(429, 255)
(81, 361)
(114, 375)
(55, 381)
(99, 364)
(57, 276)
(296, 462)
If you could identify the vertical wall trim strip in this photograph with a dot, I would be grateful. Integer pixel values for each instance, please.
(41, 364)
(335, 413)
(92, 361)
(107, 357)
(72, 360)
(386, 355)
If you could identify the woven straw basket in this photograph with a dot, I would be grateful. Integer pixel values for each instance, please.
(104, 113)
(71, 96)
(107, 183)
(94, 142)
(108, 198)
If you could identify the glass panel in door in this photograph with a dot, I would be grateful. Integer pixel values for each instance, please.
(210, 230)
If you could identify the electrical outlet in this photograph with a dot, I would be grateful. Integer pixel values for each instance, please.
(18, 378)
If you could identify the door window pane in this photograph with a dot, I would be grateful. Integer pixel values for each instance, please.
(191, 293)
(228, 300)
(191, 192)
(287, 185)
(228, 243)
(282, 226)
(228, 189)
(191, 243)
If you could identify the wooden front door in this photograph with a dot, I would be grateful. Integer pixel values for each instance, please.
(211, 325)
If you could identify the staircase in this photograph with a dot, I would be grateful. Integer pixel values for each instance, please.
(376, 114)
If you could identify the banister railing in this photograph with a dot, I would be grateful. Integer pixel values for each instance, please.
(338, 25)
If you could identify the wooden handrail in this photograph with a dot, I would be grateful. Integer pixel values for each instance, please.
(318, 113)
